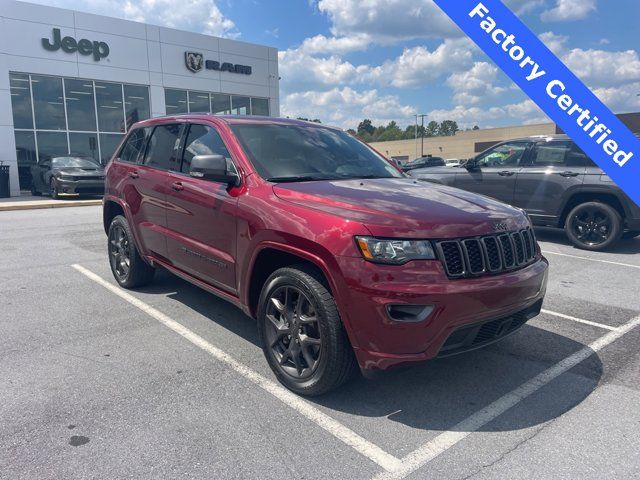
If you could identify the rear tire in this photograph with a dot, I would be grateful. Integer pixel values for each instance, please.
(593, 226)
(34, 191)
(303, 338)
(127, 266)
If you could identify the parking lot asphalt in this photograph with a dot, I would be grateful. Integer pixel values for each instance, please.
(170, 382)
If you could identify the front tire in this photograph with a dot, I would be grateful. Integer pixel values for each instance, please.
(593, 226)
(53, 189)
(127, 266)
(303, 338)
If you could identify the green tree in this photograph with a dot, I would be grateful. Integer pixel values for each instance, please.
(432, 130)
(448, 128)
(365, 126)
(476, 127)
(390, 132)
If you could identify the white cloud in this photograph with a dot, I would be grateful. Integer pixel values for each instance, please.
(346, 107)
(603, 68)
(555, 43)
(415, 67)
(335, 45)
(525, 112)
(388, 21)
(567, 10)
(620, 99)
(475, 84)
(201, 16)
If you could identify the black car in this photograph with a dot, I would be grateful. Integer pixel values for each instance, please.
(555, 182)
(67, 176)
(423, 162)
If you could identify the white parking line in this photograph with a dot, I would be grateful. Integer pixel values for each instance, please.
(620, 264)
(424, 454)
(335, 428)
(579, 320)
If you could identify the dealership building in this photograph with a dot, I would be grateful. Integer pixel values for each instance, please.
(73, 82)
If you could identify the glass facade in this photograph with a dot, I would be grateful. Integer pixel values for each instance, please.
(55, 116)
(188, 101)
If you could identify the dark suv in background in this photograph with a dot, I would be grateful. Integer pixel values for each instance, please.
(555, 182)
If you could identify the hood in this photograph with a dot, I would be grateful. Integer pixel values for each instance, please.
(396, 207)
(79, 172)
(434, 171)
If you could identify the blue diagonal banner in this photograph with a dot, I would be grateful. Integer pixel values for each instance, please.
(552, 86)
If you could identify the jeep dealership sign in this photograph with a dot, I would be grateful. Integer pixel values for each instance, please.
(99, 50)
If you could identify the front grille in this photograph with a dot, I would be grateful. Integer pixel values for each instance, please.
(92, 178)
(491, 254)
(477, 335)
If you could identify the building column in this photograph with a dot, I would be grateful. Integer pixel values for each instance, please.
(7, 139)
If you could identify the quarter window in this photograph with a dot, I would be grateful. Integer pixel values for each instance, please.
(505, 155)
(162, 151)
(202, 140)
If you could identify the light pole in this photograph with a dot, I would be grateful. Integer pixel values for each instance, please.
(421, 133)
(416, 142)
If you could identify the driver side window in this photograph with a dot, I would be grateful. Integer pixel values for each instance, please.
(507, 155)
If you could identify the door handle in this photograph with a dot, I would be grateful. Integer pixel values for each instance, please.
(134, 174)
(506, 173)
(569, 174)
(177, 186)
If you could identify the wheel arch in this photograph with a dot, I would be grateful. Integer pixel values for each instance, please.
(582, 196)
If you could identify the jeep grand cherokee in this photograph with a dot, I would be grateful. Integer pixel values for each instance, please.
(342, 259)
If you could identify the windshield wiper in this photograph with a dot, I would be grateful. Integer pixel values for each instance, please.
(293, 178)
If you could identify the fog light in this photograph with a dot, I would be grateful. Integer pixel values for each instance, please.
(409, 313)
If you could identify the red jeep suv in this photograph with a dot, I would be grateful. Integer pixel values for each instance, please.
(343, 260)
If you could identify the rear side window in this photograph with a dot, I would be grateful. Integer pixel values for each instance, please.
(202, 140)
(163, 149)
(552, 154)
(133, 149)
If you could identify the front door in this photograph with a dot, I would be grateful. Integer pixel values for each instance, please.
(555, 170)
(494, 172)
(201, 216)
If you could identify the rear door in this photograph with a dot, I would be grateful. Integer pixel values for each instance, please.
(146, 185)
(495, 171)
(201, 217)
(555, 170)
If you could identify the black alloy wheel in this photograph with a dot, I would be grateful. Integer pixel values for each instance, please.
(128, 267)
(293, 333)
(593, 226)
(53, 189)
(302, 335)
(119, 252)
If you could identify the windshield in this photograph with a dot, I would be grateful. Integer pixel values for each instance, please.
(63, 162)
(283, 153)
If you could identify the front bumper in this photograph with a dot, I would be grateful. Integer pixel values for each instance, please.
(381, 342)
(80, 187)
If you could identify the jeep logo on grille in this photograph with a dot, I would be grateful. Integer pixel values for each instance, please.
(500, 227)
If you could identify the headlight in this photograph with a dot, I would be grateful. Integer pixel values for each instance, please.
(394, 252)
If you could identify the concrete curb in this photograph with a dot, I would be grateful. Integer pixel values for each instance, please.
(34, 205)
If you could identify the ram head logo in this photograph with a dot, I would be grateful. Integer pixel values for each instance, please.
(193, 61)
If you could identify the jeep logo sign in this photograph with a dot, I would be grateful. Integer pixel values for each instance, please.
(99, 50)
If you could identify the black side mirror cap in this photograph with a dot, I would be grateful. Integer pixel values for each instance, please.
(213, 168)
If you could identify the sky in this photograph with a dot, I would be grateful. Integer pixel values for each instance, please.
(345, 60)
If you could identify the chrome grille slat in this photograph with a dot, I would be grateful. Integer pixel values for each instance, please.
(489, 254)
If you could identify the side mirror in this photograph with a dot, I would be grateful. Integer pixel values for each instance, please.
(214, 168)
(471, 164)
